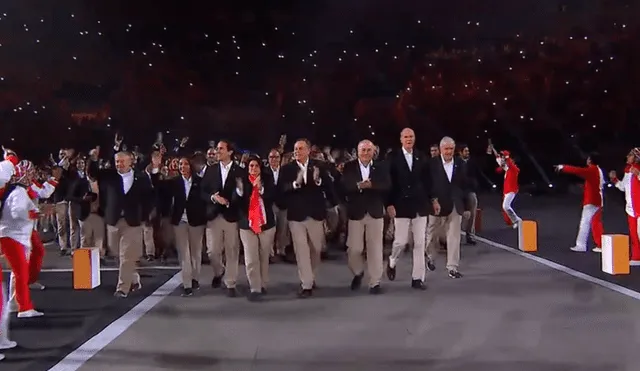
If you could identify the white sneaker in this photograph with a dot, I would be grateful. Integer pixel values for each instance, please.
(634, 263)
(579, 249)
(7, 344)
(516, 224)
(30, 314)
(596, 249)
(37, 286)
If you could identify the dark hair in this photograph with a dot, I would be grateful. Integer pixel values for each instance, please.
(304, 140)
(198, 159)
(230, 146)
(434, 145)
(595, 158)
(256, 159)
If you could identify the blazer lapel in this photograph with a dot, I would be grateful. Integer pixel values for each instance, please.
(181, 187)
(194, 187)
(359, 172)
(403, 161)
(444, 171)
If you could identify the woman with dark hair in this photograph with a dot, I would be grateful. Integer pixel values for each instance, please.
(188, 217)
(257, 224)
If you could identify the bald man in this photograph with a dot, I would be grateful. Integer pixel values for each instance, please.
(126, 199)
(408, 204)
(366, 185)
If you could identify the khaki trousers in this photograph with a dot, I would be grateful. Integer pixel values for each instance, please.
(257, 248)
(367, 231)
(75, 230)
(62, 224)
(308, 237)
(125, 242)
(92, 232)
(282, 234)
(189, 246)
(469, 224)
(404, 227)
(223, 236)
(450, 226)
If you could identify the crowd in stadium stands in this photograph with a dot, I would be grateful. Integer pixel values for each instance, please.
(577, 91)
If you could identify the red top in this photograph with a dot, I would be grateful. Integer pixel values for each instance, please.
(511, 172)
(593, 182)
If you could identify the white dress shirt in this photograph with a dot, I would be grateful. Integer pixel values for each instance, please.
(365, 170)
(203, 171)
(127, 181)
(276, 174)
(305, 170)
(408, 156)
(187, 189)
(448, 168)
(224, 172)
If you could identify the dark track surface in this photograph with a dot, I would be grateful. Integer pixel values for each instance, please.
(558, 217)
(71, 318)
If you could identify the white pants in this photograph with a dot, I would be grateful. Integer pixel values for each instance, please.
(588, 212)
(4, 316)
(418, 228)
(506, 206)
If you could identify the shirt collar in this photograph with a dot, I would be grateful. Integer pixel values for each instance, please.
(445, 162)
(407, 153)
(366, 166)
(187, 180)
(127, 174)
(227, 166)
(305, 165)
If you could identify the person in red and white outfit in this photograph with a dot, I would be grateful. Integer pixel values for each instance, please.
(35, 255)
(630, 185)
(510, 189)
(16, 228)
(592, 201)
(7, 169)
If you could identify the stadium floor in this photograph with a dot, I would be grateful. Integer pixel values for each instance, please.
(507, 313)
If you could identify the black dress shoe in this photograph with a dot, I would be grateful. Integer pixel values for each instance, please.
(455, 274)
(418, 285)
(187, 292)
(470, 240)
(305, 293)
(216, 283)
(254, 296)
(314, 286)
(195, 284)
(391, 272)
(356, 282)
(232, 292)
(375, 290)
(431, 265)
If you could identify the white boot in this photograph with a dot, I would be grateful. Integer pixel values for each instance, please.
(5, 343)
